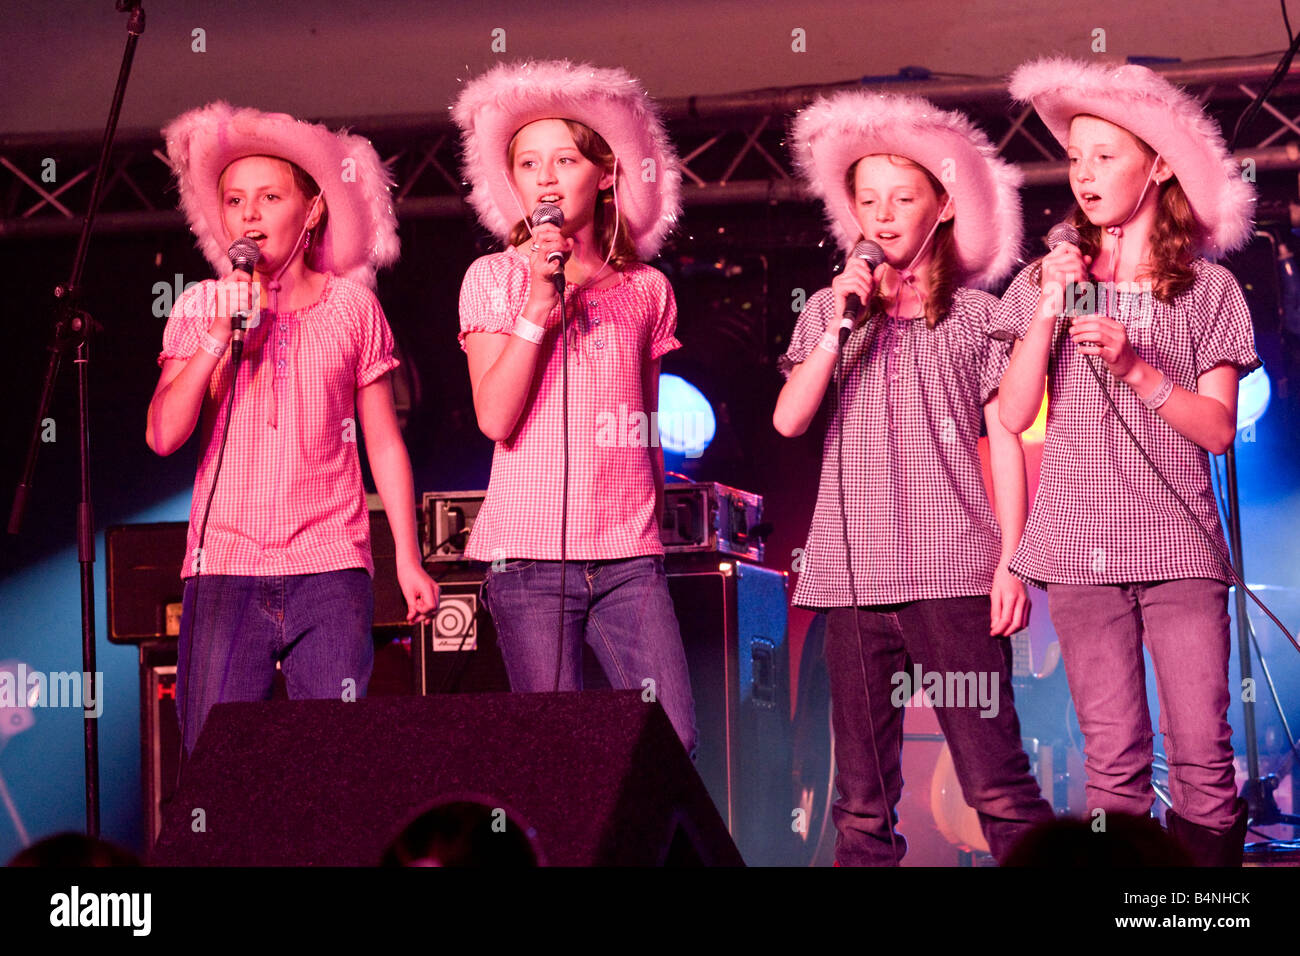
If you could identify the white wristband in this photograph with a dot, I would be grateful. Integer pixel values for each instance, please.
(830, 342)
(1161, 394)
(529, 331)
(212, 345)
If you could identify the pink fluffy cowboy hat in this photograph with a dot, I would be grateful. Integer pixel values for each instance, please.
(834, 132)
(1164, 117)
(361, 232)
(493, 107)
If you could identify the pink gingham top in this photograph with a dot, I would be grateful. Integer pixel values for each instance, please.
(290, 498)
(1100, 515)
(613, 331)
(919, 521)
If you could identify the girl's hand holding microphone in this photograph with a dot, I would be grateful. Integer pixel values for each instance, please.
(1061, 267)
(1101, 335)
(236, 296)
(543, 297)
(856, 279)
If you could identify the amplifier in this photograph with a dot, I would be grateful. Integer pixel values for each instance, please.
(709, 517)
(144, 580)
(447, 519)
(701, 516)
(145, 586)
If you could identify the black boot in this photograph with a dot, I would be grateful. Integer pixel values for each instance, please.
(1207, 847)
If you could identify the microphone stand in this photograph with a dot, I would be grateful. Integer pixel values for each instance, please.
(1261, 807)
(1257, 791)
(72, 328)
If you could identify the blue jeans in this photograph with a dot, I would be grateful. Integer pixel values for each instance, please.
(948, 636)
(622, 610)
(318, 626)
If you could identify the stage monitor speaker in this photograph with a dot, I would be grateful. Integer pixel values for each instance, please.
(600, 776)
(732, 617)
(160, 738)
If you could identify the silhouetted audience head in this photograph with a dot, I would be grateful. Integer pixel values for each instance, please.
(74, 850)
(465, 832)
(1114, 840)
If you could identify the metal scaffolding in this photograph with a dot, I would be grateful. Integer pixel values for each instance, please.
(732, 149)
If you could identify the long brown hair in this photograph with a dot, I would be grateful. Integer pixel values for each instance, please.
(1175, 237)
(945, 271)
(607, 229)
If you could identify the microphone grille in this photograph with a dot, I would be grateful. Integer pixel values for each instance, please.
(547, 213)
(244, 253)
(870, 252)
(1062, 232)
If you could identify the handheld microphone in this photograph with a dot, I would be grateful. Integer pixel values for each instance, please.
(243, 254)
(1060, 233)
(870, 253)
(554, 215)
(1066, 232)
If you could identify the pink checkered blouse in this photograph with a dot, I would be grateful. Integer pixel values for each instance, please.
(1100, 515)
(289, 499)
(613, 331)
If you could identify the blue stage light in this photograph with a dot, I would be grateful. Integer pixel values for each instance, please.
(686, 421)
(1252, 398)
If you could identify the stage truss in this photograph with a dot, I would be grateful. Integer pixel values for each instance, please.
(732, 147)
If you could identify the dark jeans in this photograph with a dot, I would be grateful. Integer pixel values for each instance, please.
(316, 625)
(948, 637)
(622, 610)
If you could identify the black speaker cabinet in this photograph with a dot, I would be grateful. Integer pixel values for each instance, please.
(732, 617)
(145, 587)
(733, 622)
(457, 652)
(160, 738)
(599, 776)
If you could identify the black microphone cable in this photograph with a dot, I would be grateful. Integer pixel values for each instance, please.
(1209, 538)
(244, 254)
(236, 355)
(1219, 481)
(564, 482)
(552, 214)
(853, 593)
